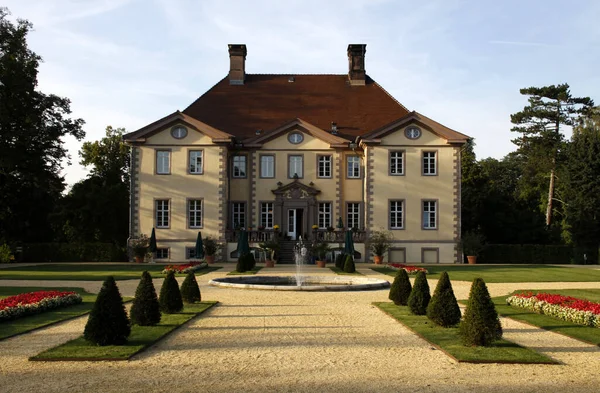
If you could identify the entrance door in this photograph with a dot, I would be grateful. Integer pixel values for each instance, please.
(292, 220)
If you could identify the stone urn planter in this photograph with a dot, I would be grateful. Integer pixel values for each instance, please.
(139, 259)
(321, 263)
(472, 259)
(378, 259)
(269, 263)
(210, 259)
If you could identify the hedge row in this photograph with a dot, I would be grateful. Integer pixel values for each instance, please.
(72, 252)
(535, 254)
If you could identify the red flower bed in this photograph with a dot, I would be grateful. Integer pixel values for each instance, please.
(564, 301)
(33, 302)
(409, 269)
(185, 268)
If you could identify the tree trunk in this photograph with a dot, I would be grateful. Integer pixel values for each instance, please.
(550, 198)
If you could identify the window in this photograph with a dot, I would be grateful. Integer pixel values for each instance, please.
(295, 166)
(396, 214)
(163, 162)
(162, 253)
(353, 167)
(190, 253)
(396, 163)
(295, 138)
(324, 218)
(324, 166)
(162, 213)
(266, 214)
(195, 213)
(179, 132)
(196, 162)
(238, 214)
(239, 166)
(267, 166)
(353, 216)
(429, 163)
(429, 215)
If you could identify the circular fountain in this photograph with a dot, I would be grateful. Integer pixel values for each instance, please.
(301, 282)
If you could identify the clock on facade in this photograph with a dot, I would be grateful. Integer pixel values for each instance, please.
(412, 132)
(295, 138)
(179, 132)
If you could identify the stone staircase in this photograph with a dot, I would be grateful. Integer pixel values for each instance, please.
(286, 251)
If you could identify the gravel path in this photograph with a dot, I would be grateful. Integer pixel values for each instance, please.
(256, 341)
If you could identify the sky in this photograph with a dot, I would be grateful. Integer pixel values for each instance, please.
(127, 63)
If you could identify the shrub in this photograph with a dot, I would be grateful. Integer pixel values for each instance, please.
(349, 266)
(443, 308)
(245, 262)
(480, 325)
(401, 288)
(108, 323)
(170, 297)
(339, 261)
(145, 310)
(419, 296)
(5, 255)
(190, 292)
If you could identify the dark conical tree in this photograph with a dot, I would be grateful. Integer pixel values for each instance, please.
(349, 266)
(443, 308)
(190, 292)
(250, 261)
(419, 296)
(401, 288)
(241, 264)
(170, 297)
(340, 260)
(480, 325)
(108, 323)
(145, 310)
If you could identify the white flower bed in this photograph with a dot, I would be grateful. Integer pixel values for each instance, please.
(585, 318)
(45, 304)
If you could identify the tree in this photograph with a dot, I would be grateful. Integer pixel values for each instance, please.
(550, 109)
(401, 288)
(108, 157)
(32, 126)
(583, 188)
(480, 325)
(190, 292)
(419, 296)
(349, 266)
(145, 310)
(108, 323)
(170, 297)
(443, 308)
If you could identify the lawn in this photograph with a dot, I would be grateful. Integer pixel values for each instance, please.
(88, 271)
(36, 321)
(246, 273)
(447, 340)
(343, 273)
(141, 338)
(587, 334)
(508, 273)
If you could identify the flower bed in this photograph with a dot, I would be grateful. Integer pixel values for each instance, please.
(567, 308)
(35, 302)
(185, 268)
(409, 269)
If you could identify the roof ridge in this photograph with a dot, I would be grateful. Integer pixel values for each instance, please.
(293, 73)
(202, 95)
(389, 95)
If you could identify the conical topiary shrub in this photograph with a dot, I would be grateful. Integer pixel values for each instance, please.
(170, 297)
(145, 310)
(443, 308)
(241, 264)
(108, 323)
(250, 261)
(349, 266)
(190, 292)
(419, 296)
(340, 260)
(401, 288)
(480, 325)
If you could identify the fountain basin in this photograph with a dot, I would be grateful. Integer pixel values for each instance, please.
(309, 283)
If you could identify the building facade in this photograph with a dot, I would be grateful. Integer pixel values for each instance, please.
(291, 155)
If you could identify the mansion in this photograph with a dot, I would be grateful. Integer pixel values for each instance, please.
(290, 155)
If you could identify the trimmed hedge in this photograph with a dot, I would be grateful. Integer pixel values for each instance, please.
(443, 309)
(349, 266)
(145, 310)
(190, 292)
(170, 296)
(419, 295)
(480, 325)
(72, 252)
(526, 254)
(401, 289)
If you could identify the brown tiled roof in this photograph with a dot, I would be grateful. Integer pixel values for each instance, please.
(268, 101)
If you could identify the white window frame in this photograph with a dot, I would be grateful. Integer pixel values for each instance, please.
(353, 215)
(429, 163)
(238, 214)
(324, 218)
(195, 213)
(162, 213)
(324, 166)
(267, 166)
(396, 160)
(353, 167)
(266, 214)
(396, 213)
(430, 214)
(163, 162)
(195, 167)
(295, 165)
(239, 166)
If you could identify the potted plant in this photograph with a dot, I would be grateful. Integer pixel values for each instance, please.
(320, 250)
(270, 247)
(211, 246)
(140, 248)
(380, 242)
(471, 244)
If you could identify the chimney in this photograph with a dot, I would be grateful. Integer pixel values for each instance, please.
(356, 64)
(237, 64)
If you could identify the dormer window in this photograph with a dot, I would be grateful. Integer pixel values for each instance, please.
(295, 138)
(179, 132)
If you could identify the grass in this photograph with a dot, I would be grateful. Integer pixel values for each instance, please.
(36, 321)
(508, 273)
(343, 273)
(141, 338)
(583, 333)
(246, 273)
(448, 340)
(87, 271)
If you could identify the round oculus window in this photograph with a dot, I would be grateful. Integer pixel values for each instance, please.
(295, 138)
(179, 132)
(412, 132)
